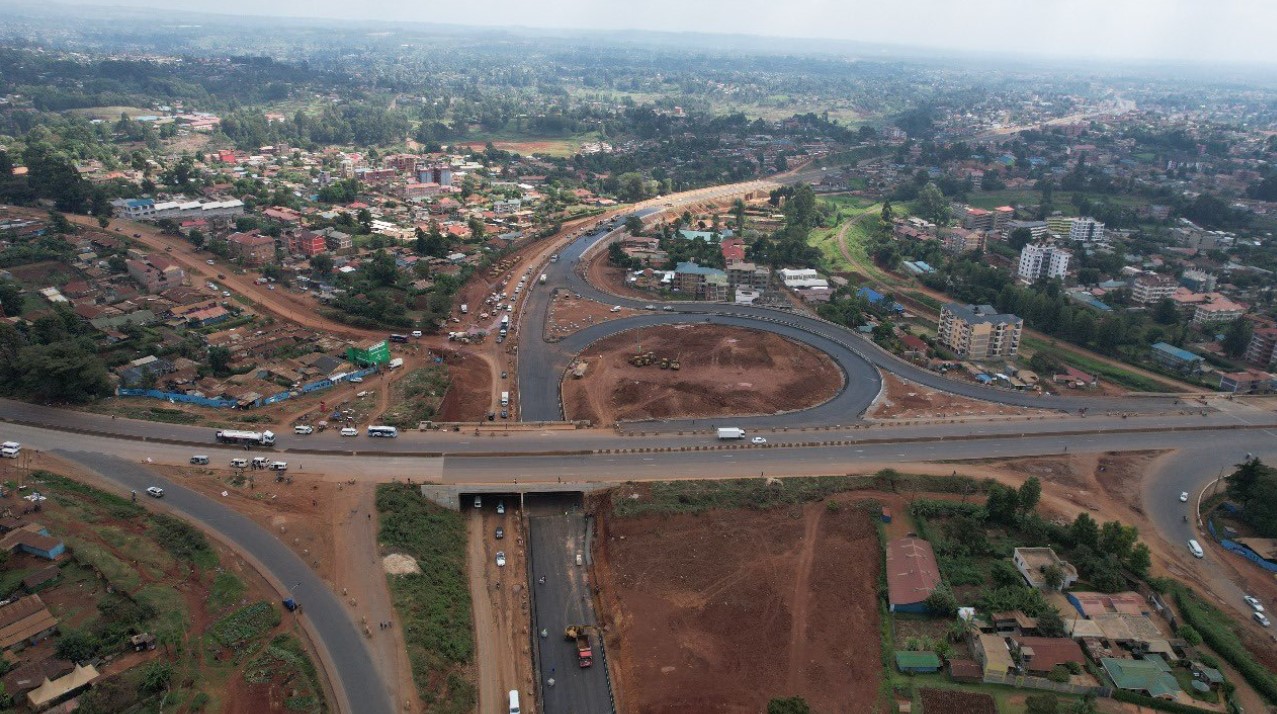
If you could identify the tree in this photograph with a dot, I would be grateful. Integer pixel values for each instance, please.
(886, 215)
(1041, 704)
(631, 187)
(1237, 337)
(1190, 635)
(1085, 531)
(1050, 624)
(1053, 576)
(322, 264)
(634, 224)
(1019, 238)
(1140, 560)
(942, 602)
(76, 646)
(477, 228)
(1002, 504)
(738, 212)
(932, 205)
(1242, 481)
(1029, 494)
(219, 360)
(157, 676)
(788, 705)
(10, 298)
(1116, 540)
(1165, 313)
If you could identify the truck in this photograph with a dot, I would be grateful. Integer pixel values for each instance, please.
(465, 309)
(235, 436)
(395, 363)
(730, 432)
(580, 636)
(542, 279)
(505, 320)
(505, 399)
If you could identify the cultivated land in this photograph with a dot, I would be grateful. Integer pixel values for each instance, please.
(723, 371)
(722, 611)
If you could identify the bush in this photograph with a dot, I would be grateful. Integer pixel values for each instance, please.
(1190, 635)
(76, 646)
(1041, 704)
(1058, 673)
(1216, 630)
(183, 541)
(245, 624)
(788, 705)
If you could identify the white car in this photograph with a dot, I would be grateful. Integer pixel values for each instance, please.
(1260, 618)
(501, 507)
(210, 261)
(1183, 497)
(758, 440)
(616, 308)
(500, 558)
(1254, 603)
(356, 380)
(349, 431)
(303, 429)
(155, 492)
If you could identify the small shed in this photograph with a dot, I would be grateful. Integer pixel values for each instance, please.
(917, 662)
(965, 670)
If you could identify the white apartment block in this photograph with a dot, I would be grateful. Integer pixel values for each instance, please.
(1086, 229)
(1043, 260)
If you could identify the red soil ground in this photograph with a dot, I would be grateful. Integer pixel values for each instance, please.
(724, 611)
(724, 370)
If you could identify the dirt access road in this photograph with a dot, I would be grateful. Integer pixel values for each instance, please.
(723, 611)
(500, 598)
(723, 370)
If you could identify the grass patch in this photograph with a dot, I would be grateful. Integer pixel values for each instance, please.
(60, 487)
(282, 662)
(183, 541)
(226, 590)
(434, 605)
(663, 497)
(171, 622)
(416, 397)
(136, 548)
(111, 568)
(1117, 375)
(245, 624)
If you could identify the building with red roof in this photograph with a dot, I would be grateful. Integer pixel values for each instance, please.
(912, 574)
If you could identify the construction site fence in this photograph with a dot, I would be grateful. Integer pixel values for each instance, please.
(176, 397)
(1238, 548)
(1030, 682)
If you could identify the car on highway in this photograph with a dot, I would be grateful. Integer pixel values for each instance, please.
(478, 501)
(668, 308)
(1261, 618)
(303, 429)
(616, 308)
(199, 459)
(501, 507)
(210, 261)
(1183, 497)
(1254, 603)
(500, 558)
(1196, 548)
(500, 532)
(758, 440)
(503, 374)
(649, 307)
(349, 431)
(155, 492)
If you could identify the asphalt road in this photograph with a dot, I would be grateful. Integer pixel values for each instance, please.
(562, 600)
(354, 676)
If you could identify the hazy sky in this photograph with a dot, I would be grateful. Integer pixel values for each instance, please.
(1212, 30)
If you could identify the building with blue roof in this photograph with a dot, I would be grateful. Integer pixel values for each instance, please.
(1176, 359)
(707, 236)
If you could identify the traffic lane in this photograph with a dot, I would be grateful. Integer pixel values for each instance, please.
(562, 600)
(656, 465)
(348, 659)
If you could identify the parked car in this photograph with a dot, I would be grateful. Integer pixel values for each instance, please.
(500, 532)
(199, 459)
(155, 492)
(1254, 603)
(500, 558)
(349, 431)
(239, 463)
(1183, 497)
(303, 429)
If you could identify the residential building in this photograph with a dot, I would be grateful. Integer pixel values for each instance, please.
(976, 219)
(1038, 229)
(1059, 225)
(252, 248)
(705, 235)
(699, 281)
(1149, 288)
(979, 331)
(1251, 381)
(993, 655)
(337, 240)
(1176, 359)
(1218, 310)
(155, 273)
(1043, 261)
(733, 250)
(307, 243)
(957, 241)
(148, 209)
(802, 278)
(33, 539)
(1262, 347)
(741, 274)
(51, 691)
(1150, 676)
(1033, 563)
(1094, 604)
(1039, 655)
(1086, 230)
(1199, 281)
(25, 620)
(912, 574)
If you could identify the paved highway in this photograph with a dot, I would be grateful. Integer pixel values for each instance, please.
(347, 659)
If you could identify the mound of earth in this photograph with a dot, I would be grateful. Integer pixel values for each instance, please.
(723, 371)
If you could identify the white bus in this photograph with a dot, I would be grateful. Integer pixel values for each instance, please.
(388, 432)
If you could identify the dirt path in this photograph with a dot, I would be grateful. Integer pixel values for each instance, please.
(798, 653)
(500, 604)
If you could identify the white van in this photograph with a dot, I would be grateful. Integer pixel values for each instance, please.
(10, 449)
(514, 701)
(1195, 548)
(505, 399)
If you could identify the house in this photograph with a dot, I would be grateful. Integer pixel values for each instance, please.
(917, 662)
(307, 243)
(53, 690)
(993, 654)
(803, 278)
(155, 273)
(41, 578)
(741, 274)
(1211, 676)
(32, 675)
(705, 235)
(252, 248)
(207, 316)
(1090, 604)
(1250, 381)
(912, 574)
(957, 241)
(1040, 655)
(336, 240)
(1034, 562)
(33, 539)
(1150, 676)
(733, 250)
(965, 670)
(979, 331)
(700, 281)
(1218, 310)
(1012, 622)
(1149, 288)
(25, 620)
(1262, 350)
(1176, 359)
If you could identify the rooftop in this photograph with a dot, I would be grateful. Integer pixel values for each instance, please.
(912, 571)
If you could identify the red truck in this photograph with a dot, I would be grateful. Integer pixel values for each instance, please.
(580, 635)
